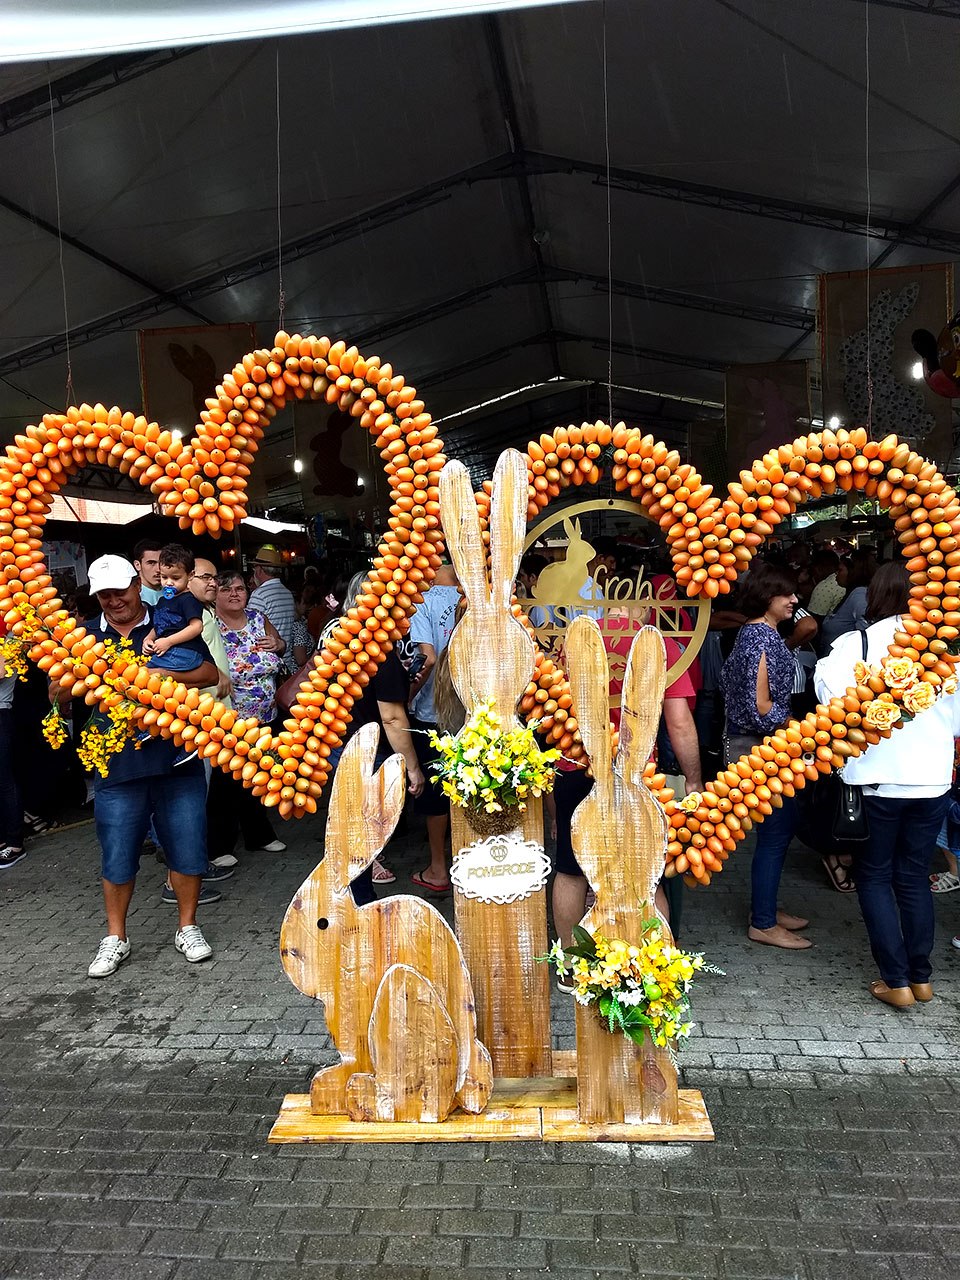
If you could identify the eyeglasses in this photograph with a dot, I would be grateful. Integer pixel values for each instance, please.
(205, 577)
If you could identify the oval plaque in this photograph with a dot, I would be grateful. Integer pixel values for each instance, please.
(501, 869)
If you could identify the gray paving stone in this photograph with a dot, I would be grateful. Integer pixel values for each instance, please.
(97, 1240)
(259, 1247)
(152, 1145)
(362, 1249)
(500, 1254)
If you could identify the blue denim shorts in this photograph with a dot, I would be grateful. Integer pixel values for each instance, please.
(178, 658)
(177, 805)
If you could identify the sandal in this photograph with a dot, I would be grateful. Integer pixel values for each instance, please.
(36, 826)
(944, 882)
(839, 874)
(419, 881)
(381, 873)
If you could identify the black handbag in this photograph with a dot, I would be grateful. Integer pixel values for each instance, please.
(850, 814)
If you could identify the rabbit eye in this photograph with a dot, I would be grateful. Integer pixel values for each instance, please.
(323, 923)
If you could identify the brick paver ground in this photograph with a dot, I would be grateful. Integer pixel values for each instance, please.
(134, 1111)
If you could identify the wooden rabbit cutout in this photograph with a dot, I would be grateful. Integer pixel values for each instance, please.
(395, 989)
(619, 835)
(491, 656)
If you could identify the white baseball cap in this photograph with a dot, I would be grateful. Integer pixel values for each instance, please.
(111, 573)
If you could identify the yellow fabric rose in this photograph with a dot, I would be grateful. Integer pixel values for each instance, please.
(949, 686)
(901, 673)
(881, 715)
(919, 698)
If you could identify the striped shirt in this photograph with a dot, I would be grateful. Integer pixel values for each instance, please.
(273, 600)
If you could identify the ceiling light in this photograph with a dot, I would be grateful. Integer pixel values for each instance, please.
(917, 370)
(176, 435)
(297, 465)
(833, 423)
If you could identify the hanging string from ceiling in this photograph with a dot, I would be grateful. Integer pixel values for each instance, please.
(606, 144)
(867, 241)
(281, 300)
(70, 394)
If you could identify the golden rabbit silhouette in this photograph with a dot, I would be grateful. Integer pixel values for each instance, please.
(619, 835)
(396, 992)
(562, 581)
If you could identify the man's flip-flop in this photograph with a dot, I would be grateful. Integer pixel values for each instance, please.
(428, 884)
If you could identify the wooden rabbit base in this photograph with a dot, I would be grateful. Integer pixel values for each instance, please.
(538, 1109)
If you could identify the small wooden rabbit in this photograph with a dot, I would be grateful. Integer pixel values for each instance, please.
(619, 835)
(395, 989)
(492, 656)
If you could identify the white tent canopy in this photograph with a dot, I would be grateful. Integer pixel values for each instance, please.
(444, 198)
(84, 28)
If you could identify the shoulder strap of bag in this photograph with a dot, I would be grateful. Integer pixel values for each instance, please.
(863, 641)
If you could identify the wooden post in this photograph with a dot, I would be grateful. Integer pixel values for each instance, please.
(500, 946)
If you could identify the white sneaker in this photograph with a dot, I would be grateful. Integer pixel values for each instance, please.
(192, 944)
(955, 942)
(275, 846)
(225, 860)
(109, 958)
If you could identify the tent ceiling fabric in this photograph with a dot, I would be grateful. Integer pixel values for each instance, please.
(444, 199)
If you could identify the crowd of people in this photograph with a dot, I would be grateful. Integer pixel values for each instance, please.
(788, 637)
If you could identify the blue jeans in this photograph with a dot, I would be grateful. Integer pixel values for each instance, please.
(11, 805)
(177, 805)
(773, 836)
(891, 870)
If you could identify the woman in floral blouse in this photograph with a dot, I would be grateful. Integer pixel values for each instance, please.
(254, 649)
(757, 681)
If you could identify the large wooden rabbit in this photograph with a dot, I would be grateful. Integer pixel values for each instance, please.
(492, 657)
(619, 835)
(395, 989)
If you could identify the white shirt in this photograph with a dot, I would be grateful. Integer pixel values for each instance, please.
(212, 637)
(274, 600)
(915, 762)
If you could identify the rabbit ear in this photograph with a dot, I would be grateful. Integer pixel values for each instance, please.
(461, 531)
(364, 806)
(590, 686)
(641, 702)
(508, 523)
(568, 528)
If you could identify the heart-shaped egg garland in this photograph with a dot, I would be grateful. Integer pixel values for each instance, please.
(203, 483)
(711, 541)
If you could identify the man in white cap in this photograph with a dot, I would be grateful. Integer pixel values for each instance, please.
(142, 785)
(271, 598)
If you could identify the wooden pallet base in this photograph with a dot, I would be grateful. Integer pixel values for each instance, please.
(539, 1109)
